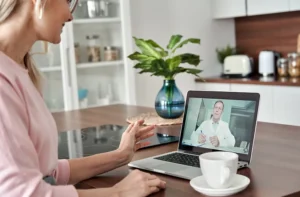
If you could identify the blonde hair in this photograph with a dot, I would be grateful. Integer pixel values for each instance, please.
(6, 9)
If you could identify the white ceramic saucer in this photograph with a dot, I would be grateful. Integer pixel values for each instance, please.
(240, 182)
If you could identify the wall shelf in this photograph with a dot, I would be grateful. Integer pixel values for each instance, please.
(99, 64)
(97, 20)
(50, 69)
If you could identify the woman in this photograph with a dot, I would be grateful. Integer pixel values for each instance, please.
(28, 135)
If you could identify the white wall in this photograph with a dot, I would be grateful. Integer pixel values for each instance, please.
(159, 19)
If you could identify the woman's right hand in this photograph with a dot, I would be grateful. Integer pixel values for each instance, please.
(139, 184)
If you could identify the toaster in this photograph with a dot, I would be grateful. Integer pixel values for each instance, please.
(238, 66)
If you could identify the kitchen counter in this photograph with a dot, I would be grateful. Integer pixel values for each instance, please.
(254, 80)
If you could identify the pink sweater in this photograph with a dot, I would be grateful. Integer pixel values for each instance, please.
(28, 139)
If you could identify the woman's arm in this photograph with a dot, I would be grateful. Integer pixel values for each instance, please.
(132, 140)
(86, 167)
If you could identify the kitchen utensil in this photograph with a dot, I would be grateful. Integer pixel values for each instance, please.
(97, 8)
(93, 48)
(237, 66)
(294, 64)
(282, 67)
(267, 63)
(111, 53)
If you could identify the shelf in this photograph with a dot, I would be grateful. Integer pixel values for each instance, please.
(96, 20)
(99, 64)
(50, 69)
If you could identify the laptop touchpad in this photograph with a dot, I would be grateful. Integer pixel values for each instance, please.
(170, 167)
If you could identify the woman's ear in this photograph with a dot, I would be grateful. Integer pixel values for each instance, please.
(39, 6)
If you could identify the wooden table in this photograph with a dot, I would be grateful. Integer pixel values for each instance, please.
(274, 171)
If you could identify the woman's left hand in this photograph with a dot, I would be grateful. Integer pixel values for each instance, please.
(132, 137)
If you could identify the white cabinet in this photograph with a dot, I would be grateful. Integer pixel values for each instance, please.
(71, 84)
(265, 113)
(228, 8)
(286, 105)
(213, 87)
(257, 7)
(294, 5)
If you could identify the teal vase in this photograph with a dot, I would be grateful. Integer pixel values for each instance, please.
(169, 102)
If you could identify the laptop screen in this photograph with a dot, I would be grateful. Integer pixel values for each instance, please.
(220, 124)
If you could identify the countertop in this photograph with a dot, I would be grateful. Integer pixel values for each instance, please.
(256, 80)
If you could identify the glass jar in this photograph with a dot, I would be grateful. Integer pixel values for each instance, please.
(111, 53)
(93, 48)
(294, 64)
(282, 67)
(77, 52)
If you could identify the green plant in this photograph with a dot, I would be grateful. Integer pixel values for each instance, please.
(162, 62)
(224, 52)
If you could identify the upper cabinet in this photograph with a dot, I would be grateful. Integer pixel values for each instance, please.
(237, 8)
(294, 5)
(228, 8)
(257, 7)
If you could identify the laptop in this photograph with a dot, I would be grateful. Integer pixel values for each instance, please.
(212, 121)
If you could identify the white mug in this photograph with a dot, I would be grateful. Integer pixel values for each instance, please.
(219, 168)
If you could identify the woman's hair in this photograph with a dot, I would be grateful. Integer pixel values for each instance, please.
(7, 8)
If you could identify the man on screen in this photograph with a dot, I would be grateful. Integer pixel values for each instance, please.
(214, 131)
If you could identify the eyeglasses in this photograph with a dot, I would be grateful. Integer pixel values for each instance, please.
(72, 5)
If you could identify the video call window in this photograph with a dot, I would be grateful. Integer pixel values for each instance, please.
(219, 124)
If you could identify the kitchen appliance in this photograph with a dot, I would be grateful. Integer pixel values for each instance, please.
(238, 66)
(267, 63)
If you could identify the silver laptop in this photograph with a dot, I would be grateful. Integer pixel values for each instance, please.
(213, 121)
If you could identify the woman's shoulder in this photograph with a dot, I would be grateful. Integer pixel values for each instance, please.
(9, 69)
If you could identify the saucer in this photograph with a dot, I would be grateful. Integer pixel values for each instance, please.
(239, 183)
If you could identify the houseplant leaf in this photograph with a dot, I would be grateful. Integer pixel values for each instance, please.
(155, 45)
(146, 48)
(190, 40)
(140, 57)
(190, 59)
(173, 62)
(173, 41)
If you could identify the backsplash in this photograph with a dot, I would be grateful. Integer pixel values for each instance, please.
(277, 32)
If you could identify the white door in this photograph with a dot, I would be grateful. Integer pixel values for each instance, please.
(258, 7)
(265, 113)
(294, 5)
(228, 8)
(286, 105)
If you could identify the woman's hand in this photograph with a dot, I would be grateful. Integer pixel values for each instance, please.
(132, 137)
(139, 184)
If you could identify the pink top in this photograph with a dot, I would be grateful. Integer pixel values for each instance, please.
(28, 139)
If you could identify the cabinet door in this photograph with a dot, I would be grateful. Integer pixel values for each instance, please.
(228, 8)
(294, 5)
(213, 87)
(257, 7)
(265, 113)
(286, 105)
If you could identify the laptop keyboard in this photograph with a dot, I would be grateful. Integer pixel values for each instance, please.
(179, 158)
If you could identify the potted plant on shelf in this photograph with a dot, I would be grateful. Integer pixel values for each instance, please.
(154, 59)
(222, 53)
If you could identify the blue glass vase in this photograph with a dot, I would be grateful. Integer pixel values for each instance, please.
(169, 102)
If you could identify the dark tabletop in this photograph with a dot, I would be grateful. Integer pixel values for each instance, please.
(274, 171)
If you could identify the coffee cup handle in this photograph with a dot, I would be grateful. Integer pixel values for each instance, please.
(226, 174)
